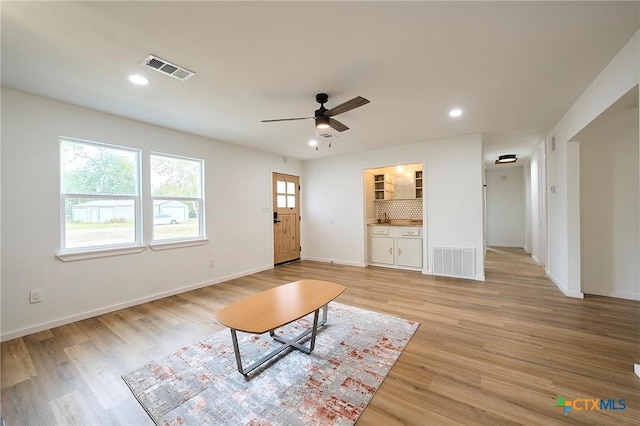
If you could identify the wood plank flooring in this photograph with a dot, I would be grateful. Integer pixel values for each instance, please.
(495, 353)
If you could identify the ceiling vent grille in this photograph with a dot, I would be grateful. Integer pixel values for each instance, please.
(168, 68)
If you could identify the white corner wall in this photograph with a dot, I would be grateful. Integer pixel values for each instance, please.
(610, 202)
(537, 210)
(563, 234)
(238, 219)
(333, 200)
(506, 207)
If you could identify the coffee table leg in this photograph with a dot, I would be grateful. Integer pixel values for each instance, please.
(313, 332)
(236, 350)
(288, 343)
(324, 315)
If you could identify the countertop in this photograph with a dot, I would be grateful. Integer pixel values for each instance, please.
(398, 222)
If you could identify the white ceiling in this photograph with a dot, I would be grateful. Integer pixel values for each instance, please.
(514, 67)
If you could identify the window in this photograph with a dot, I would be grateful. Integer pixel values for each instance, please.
(176, 191)
(285, 194)
(100, 196)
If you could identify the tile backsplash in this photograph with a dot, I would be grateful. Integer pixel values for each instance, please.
(399, 209)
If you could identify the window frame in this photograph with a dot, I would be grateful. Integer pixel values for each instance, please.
(181, 241)
(137, 244)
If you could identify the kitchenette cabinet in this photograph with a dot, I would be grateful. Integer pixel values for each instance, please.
(395, 246)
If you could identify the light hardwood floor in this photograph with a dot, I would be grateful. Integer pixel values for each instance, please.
(498, 352)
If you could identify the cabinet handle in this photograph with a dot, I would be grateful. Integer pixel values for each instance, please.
(399, 252)
(390, 250)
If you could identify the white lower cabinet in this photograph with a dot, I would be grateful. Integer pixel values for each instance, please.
(396, 246)
(381, 249)
(409, 252)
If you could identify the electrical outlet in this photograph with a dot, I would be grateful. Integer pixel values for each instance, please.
(35, 296)
(211, 264)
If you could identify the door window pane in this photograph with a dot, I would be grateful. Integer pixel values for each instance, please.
(291, 188)
(282, 201)
(280, 187)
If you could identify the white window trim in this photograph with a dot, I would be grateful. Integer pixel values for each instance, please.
(90, 251)
(178, 244)
(94, 254)
(164, 244)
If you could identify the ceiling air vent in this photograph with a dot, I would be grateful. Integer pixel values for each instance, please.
(168, 68)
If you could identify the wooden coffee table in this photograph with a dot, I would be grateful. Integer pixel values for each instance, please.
(276, 307)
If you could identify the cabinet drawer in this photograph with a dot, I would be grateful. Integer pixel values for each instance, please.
(411, 231)
(380, 230)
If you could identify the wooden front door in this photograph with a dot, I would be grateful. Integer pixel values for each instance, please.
(286, 218)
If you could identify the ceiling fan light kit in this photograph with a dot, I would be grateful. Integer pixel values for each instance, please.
(324, 117)
(322, 122)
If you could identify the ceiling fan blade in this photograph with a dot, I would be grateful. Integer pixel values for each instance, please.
(356, 102)
(336, 125)
(286, 119)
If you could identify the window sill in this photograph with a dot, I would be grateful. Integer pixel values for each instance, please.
(177, 244)
(94, 254)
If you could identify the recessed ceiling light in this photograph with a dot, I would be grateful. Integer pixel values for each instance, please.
(456, 112)
(138, 79)
(313, 143)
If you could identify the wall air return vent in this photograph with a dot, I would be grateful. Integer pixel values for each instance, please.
(454, 262)
(168, 68)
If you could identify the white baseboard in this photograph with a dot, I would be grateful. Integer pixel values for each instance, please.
(337, 262)
(505, 245)
(89, 314)
(636, 368)
(614, 293)
(574, 294)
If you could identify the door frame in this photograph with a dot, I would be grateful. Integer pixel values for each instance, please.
(272, 210)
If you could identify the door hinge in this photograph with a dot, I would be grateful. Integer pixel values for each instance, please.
(299, 218)
(299, 187)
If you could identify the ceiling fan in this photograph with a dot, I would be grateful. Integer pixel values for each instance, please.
(323, 116)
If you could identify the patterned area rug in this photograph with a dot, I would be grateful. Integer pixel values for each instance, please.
(199, 384)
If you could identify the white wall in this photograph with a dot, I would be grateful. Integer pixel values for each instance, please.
(505, 206)
(609, 206)
(563, 235)
(334, 199)
(535, 206)
(528, 200)
(238, 218)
